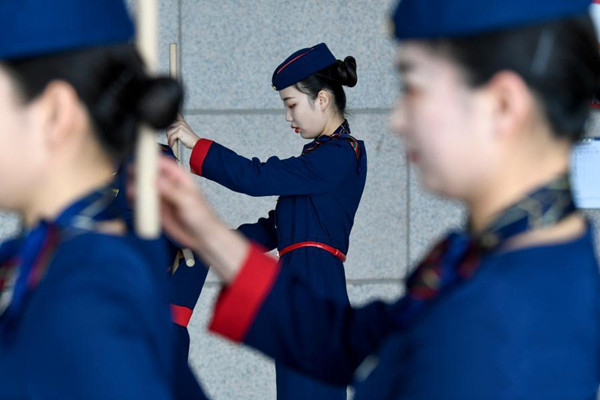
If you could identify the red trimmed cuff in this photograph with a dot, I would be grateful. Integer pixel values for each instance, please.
(199, 153)
(181, 315)
(239, 303)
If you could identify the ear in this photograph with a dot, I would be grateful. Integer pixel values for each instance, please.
(323, 100)
(511, 101)
(61, 112)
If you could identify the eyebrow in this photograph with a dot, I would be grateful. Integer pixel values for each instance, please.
(287, 98)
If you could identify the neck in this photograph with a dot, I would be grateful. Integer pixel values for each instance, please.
(64, 184)
(517, 176)
(332, 124)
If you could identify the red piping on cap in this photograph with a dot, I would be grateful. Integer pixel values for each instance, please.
(297, 57)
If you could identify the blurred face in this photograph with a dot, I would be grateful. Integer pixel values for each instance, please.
(22, 151)
(305, 117)
(443, 122)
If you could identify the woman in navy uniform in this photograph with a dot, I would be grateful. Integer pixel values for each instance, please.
(495, 93)
(319, 191)
(84, 308)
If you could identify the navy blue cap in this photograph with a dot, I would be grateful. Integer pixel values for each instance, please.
(31, 28)
(301, 65)
(430, 19)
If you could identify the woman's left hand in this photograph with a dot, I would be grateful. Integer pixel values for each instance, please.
(188, 218)
(185, 213)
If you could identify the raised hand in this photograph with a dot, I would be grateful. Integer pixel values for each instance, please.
(180, 130)
(188, 218)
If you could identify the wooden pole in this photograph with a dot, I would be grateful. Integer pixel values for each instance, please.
(174, 73)
(173, 62)
(146, 217)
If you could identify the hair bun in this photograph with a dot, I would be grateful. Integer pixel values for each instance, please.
(346, 71)
(159, 102)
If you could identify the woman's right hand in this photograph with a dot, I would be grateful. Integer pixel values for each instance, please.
(180, 130)
(188, 218)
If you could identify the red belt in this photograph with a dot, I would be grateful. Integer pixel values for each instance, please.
(181, 315)
(321, 246)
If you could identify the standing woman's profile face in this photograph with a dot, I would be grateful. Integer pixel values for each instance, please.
(443, 122)
(306, 117)
(22, 150)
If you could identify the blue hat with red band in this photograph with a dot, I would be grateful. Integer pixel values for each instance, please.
(301, 65)
(31, 28)
(430, 19)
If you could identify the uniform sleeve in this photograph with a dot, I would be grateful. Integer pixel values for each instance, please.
(105, 333)
(316, 172)
(270, 310)
(263, 232)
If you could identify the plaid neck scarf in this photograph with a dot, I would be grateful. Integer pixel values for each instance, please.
(24, 260)
(458, 257)
(342, 132)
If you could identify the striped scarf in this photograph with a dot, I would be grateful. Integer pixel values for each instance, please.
(457, 258)
(342, 132)
(24, 261)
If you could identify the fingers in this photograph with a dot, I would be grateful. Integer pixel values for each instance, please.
(169, 176)
(172, 136)
(175, 227)
(171, 179)
(184, 211)
(177, 134)
(177, 188)
(181, 187)
(181, 131)
(169, 191)
(179, 123)
(174, 132)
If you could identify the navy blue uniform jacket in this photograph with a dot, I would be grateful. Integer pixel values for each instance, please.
(319, 193)
(98, 326)
(527, 326)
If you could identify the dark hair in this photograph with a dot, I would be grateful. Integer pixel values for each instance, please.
(112, 84)
(332, 78)
(559, 61)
